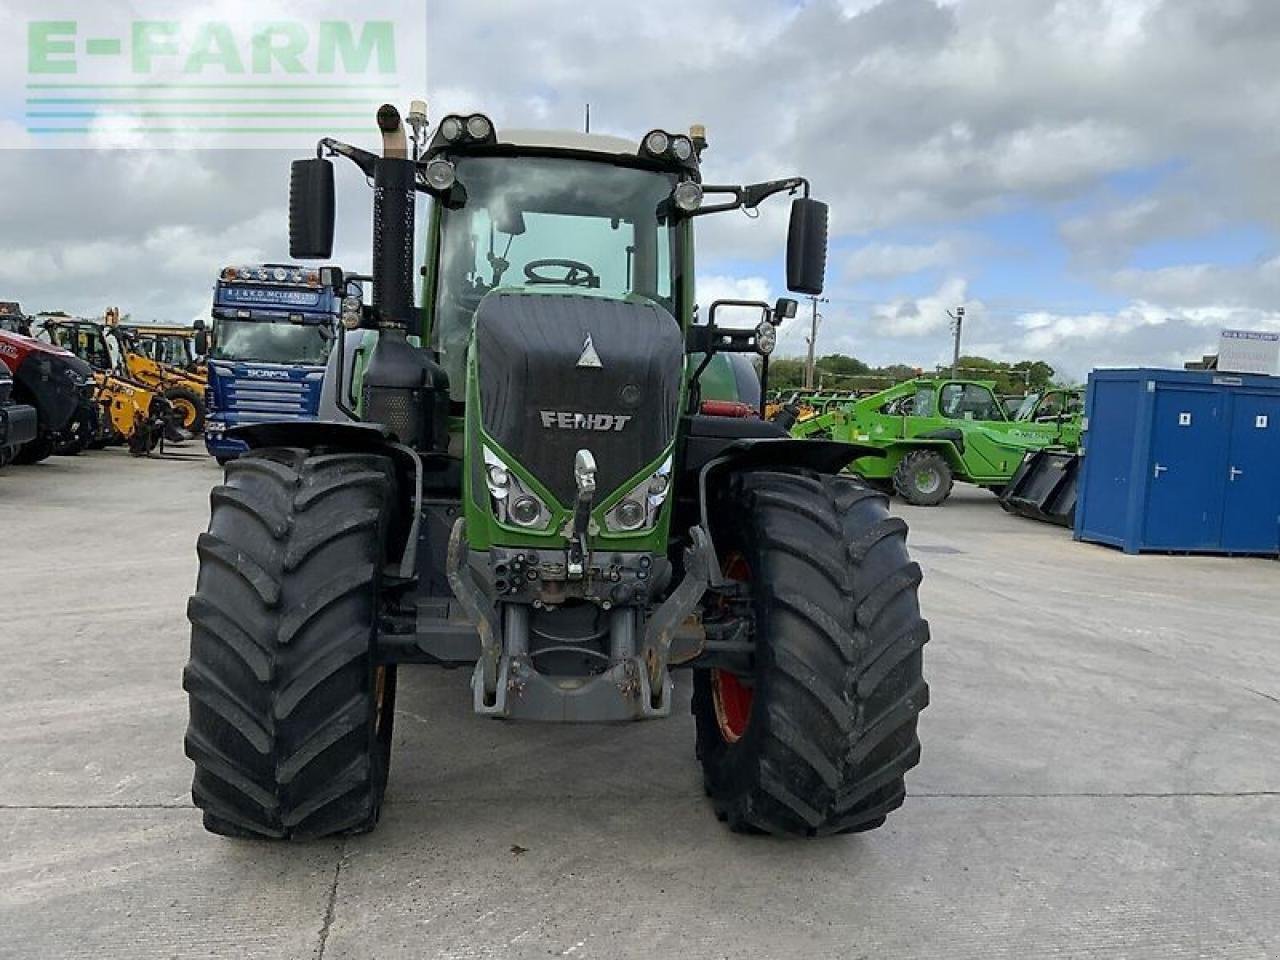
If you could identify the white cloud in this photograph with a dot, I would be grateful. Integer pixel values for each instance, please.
(712, 288)
(878, 260)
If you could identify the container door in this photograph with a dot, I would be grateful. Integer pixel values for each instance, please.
(1186, 477)
(1251, 510)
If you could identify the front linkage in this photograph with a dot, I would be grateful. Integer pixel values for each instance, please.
(547, 495)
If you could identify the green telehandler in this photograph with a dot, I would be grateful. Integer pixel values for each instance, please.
(930, 432)
(525, 480)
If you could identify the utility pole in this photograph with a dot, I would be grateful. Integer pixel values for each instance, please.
(957, 322)
(813, 342)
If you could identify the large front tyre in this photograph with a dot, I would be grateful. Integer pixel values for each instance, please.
(290, 716)
(818, 737)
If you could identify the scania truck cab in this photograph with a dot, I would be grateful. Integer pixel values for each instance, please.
(273, 326)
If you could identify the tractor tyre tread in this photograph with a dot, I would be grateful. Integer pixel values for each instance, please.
(838, 683)
(285, 731)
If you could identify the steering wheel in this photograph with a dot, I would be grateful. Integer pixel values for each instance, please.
(576, 273)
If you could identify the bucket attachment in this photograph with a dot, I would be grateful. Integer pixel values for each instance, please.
(1044, 487)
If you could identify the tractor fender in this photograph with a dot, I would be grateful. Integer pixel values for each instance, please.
(357, 437)
(755, 453)
(354, 437)
(824, 456)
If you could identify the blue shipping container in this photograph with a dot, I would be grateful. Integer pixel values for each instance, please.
(1184, 461)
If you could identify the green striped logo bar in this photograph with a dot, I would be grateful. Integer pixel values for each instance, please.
(149, 74)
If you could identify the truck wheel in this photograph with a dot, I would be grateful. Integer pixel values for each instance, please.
(818, 737)
(188, 408)
(923, 478)
(290, 717)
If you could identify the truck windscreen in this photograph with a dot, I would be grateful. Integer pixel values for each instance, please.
(266, 342)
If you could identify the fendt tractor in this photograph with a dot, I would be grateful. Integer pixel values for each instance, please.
(530, 486)
(273, 325)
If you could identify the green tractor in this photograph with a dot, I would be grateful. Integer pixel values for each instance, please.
(930, 432)
(527, 482)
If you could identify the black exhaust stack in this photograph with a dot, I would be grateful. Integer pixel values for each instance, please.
(404, 388)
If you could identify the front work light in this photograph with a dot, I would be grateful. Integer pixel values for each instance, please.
(451, 128)
(657, 142)
(766, 338)
(440, 174)
(688, 196)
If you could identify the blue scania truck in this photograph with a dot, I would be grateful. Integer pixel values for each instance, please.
(273, 326)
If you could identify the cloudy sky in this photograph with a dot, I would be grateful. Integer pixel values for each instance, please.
(1093, 179)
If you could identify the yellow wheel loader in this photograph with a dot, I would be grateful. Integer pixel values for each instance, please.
(162, 359)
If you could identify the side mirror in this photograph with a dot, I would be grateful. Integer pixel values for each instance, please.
(311, 209)
(201, 341)
(807, 246)
(332, 278)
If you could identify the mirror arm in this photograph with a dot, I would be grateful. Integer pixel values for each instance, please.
(750, 196)
(363, 159)
(756, 193)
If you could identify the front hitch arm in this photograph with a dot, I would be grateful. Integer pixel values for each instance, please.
(662, 626)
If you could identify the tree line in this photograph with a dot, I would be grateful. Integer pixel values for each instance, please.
(836, 371)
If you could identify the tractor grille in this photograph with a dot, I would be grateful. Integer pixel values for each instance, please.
(544, 395)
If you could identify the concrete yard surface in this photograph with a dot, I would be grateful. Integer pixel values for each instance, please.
(1100, 776)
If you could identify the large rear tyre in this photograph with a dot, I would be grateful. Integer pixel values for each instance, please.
(188, 408)
(817, 738)
(923, 478)
(290, 716)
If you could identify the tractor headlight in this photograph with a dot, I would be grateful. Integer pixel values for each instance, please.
(479, 127)
(681, 148)
(510, 499)
(656, 142)
(766, 338)
(629, 514)
(688, 196)
(499, 479)
(525, 511)
(640, 506)
(440, 174)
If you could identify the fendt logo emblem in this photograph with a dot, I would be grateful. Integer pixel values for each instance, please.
(589, 356)
(603, 422)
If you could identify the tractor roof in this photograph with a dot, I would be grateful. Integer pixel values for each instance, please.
(569, 140)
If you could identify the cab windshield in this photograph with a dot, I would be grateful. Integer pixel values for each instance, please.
(262, 341)
(173, 350)
(552, 224)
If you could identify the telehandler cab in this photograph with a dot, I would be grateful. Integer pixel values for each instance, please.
(530, 484)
